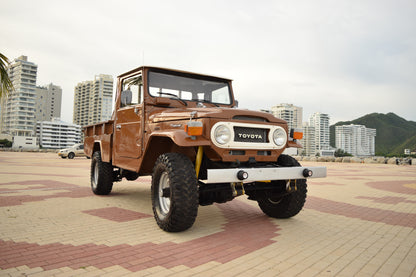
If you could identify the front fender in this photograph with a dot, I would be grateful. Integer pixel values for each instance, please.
(180, 138)
(294, 144)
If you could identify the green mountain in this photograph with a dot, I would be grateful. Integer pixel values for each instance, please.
(394, 134)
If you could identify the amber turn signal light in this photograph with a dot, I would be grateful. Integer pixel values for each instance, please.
(193, 128)
(296, 134)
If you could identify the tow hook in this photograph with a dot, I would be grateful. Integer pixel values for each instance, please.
(291, 186)
(237, 189)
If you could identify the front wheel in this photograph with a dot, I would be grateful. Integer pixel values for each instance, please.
(277, 206)
(284, 206)
(174, 192)
(101, 175)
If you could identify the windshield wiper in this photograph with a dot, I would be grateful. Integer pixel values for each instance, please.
(175, 97)
(209, 102)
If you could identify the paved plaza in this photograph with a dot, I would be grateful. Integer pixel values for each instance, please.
(359, 221)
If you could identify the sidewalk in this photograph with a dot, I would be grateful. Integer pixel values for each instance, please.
(360, 220)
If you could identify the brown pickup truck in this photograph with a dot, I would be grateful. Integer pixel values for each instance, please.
(184, 129)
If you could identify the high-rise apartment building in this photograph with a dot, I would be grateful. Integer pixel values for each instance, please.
(48, 102)
(308, 140)
(355, 139)
(19, 109)
(93, 100)
(320, 122)
(289, 113)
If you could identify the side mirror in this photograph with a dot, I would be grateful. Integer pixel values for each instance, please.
(236, 104)
(126, 97)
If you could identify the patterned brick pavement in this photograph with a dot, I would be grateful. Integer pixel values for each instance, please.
(360, 220)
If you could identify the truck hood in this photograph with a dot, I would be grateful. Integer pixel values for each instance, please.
(218, 113)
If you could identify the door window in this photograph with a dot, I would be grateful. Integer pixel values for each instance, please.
(135, 86)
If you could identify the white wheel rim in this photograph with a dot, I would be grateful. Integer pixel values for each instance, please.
(95, 182)
(164, 202)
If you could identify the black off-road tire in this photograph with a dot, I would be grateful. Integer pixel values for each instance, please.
(71, 155)
(101, 175)
(174, 177)
(290, 204)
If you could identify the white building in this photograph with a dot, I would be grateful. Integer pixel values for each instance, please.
(320, 122)
(57, 134)
(25, 142)
(18, 110)
(355, 139)
(289, 113)
(93, 100)
(308, 140)
(48, 102)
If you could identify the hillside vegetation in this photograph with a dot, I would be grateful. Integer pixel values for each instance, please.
(394, 134)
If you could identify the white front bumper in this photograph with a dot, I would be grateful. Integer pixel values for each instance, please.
(229, 175)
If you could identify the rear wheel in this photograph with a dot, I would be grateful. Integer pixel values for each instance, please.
(174, 192)
(275, 205)
(101, 175)
(71, 155)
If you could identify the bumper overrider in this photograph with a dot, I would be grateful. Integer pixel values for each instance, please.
(247, 175)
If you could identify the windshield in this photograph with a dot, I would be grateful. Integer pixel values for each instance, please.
(189, 89)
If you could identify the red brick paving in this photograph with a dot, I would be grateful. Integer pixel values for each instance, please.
(245, 230)
(364, 213)
(8, 199)
(387, 199)
(221, 247)
(394, 186)
(117, 214)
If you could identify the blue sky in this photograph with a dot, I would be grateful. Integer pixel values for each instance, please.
(345, 58)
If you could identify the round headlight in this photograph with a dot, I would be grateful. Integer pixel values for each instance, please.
(279, 137)
(222, 134)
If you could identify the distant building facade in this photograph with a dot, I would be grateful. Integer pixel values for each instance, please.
(48, 102)
(355, 139)
(308, 140)
(93, 100)
(290, 113)
(57, 134)
(19, 109)
(320, 122)
(25, 142)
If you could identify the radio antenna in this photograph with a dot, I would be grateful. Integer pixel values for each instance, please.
(142, 57)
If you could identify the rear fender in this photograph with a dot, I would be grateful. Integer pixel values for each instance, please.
(104, 146)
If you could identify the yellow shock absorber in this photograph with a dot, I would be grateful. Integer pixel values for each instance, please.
(198, 160)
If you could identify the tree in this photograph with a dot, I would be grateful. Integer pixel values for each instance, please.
(341, 153)
(6, 85)
(5, 143)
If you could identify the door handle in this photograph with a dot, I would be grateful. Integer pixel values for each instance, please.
(118, 126)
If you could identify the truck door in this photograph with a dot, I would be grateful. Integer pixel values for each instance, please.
(128, 122)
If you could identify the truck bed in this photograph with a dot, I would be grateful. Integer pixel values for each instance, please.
(99, 137)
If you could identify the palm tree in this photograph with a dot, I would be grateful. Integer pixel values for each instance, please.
(6, 86)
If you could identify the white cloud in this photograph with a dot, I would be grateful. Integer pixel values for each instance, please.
(345, 58)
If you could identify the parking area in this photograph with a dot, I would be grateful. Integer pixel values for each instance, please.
(360, 220)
